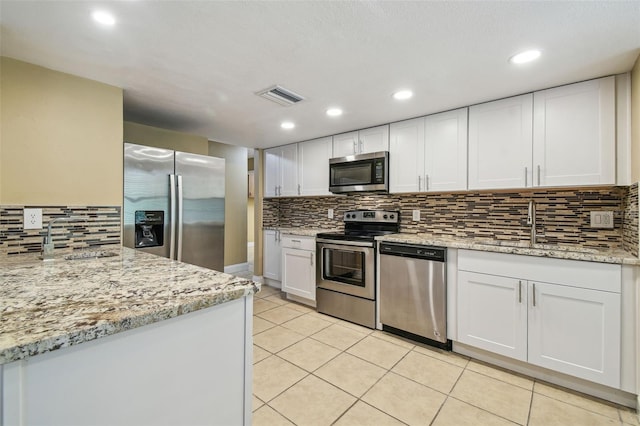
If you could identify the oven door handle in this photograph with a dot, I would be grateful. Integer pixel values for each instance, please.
(343, 243)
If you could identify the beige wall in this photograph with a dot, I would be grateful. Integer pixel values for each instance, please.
(60, 138)
(235, 211)
(635, 122)
(168, 139)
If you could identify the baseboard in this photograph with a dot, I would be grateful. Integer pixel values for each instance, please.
(272, 283)
(238, 267)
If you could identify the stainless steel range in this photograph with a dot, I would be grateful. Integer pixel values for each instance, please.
(346, 267)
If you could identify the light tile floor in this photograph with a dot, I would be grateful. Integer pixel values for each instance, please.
(312, 369)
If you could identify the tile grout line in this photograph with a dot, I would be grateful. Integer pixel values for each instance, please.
(389, 370)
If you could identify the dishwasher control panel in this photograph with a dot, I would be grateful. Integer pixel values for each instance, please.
(437, 254)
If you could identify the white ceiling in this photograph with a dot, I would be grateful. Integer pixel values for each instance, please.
(193, 66)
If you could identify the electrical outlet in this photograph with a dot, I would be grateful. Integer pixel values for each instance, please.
(602, 219)
(416, 215)
(330, 213)
(32, 219)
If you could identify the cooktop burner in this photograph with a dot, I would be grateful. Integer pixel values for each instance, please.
(365, 225)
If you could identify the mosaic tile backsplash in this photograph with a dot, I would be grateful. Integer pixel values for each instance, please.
(563, 216)
(630, 225)
(89, 227)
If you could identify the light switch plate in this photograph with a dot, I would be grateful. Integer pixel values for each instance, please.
(602, 219)
(416, 215)
(32, 218)
(330, 213)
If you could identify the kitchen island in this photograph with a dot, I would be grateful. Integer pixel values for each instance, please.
(128, 339)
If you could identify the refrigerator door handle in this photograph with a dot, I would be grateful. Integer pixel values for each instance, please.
(172, 215)
(180, 211)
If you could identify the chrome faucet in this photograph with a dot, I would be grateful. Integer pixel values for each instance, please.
(531, 221)
(47, 241)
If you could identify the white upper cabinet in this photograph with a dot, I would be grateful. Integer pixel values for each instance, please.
(564, 136)
(406, 155)
(313, 166)
(363, 141)
(446, 151)
(271, 171)
(281, 171)
(429, 153)
(574, 134)
(500, 137)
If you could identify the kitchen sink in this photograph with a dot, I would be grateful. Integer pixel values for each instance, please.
(89, 255)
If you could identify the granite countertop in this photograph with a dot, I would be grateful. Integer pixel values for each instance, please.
(59, 303)
(514, 247)
(302, 232)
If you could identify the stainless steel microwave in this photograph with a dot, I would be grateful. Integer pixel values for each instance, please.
(356, 173)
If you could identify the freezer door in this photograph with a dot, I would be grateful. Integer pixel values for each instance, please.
(146, 187)
(202, 206)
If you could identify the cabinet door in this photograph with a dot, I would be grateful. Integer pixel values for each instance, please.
(298, 273)
(500, 143)
(492, 313)
(406, 156)
(272, 255)
(574, 134)
(373, 140)
(575, 331)
(345, 144)
(446, 151)
(313, 166)
(271, 172)
(289, 170)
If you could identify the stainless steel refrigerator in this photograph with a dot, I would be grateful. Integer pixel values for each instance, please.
(174, 205)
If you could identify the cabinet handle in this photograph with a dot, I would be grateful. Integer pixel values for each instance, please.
(275, 190)
(534, 294)
(538, 174)
(279, 190)
(419, 183)
(426, 182)
(311, 258)
(526, 176)
(298, 189)
(519, 291)
(354, 146)
(295, 241)
(360, 144)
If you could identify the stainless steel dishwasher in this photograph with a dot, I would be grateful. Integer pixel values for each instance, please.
(413, 292)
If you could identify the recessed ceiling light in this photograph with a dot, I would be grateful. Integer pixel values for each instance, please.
(103, 17)
(287, 125)
(334, 112)
(403, 94)
(526, 56)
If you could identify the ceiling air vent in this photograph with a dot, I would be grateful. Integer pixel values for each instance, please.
(280, 95)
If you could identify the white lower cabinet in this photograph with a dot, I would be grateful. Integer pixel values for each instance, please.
(272, 255)
(491, 315)
(299, 266)
(572, 325)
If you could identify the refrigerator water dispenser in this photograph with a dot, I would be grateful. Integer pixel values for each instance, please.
(149, 228)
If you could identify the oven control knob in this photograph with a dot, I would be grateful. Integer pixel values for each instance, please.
(392, 216)
(385, 216)
(348, 216)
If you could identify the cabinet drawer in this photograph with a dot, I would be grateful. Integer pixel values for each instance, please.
(576, 273)
(298, 242)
